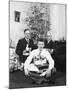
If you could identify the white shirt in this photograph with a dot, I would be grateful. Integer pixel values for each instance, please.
(35, 53)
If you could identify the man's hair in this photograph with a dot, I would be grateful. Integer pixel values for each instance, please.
(26, 30)
(41, 40)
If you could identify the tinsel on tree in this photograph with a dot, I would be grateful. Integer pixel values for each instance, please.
(38, 20)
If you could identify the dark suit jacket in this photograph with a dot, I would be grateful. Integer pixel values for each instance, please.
(49, 45)
(21, 47)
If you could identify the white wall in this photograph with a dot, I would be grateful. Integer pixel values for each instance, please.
(57, 20)
(16, 29)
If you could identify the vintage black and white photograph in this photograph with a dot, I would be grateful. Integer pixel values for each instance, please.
(37, 44)
(17, 16)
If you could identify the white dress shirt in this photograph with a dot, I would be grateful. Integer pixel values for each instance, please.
(35, 53)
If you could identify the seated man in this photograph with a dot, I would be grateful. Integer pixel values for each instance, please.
(24, 46)
(49, 44)
(39, 64)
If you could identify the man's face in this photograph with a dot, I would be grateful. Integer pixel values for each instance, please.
(40, 44)
(49, 38)
(27, 34)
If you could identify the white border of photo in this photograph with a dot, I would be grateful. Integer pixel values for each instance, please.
(4, 44)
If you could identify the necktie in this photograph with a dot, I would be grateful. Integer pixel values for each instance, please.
(40, 53)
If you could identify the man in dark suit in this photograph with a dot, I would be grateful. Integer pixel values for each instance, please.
(24, 46)
(49, 44)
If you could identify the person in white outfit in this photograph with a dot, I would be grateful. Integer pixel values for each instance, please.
(39, 65)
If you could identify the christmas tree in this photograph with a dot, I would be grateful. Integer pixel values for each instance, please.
(38, 20)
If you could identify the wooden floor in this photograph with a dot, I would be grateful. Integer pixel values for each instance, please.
(17, 79)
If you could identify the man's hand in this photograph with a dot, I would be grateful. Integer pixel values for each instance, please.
(43, 74)
(26, 72)
(48, 73)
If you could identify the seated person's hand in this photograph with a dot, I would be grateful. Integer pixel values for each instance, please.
(48, 73)
(43, 74)
(26, 72)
